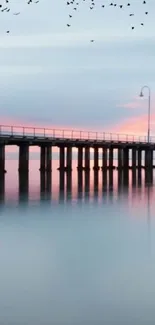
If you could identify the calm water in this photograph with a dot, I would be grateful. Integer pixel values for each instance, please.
(78, 256)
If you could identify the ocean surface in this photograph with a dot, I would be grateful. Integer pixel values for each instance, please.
(78, 250)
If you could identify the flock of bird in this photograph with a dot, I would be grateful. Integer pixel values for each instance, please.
(5, 7)
(74, 5)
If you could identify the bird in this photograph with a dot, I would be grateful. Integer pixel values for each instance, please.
(92, 3)
(76, 5)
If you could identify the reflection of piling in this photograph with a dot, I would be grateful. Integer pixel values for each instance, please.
(134, 172)
(87, 182)
(68, 185)
(120, 179)
(126, 177)
(45, 182)
(104, 179)
(110, 178)
(69, 181)
(96, 180)
(48, 181)
(139, 177)
(148, 176)
(23, 185)
(61, 180)
(80, 183)
(80, 180)
(61, 185)
(2, 186)
(96, 184)
(42, 182)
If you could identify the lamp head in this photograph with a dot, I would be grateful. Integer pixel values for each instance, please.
(141, 94)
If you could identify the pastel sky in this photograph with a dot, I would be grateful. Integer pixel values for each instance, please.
(52, 75)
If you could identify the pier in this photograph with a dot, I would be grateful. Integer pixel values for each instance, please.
(127, 149)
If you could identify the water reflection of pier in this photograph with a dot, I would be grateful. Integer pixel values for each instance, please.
(87, 183)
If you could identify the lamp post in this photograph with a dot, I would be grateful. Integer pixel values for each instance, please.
(141, 95)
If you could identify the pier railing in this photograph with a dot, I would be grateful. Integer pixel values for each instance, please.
(42, 133)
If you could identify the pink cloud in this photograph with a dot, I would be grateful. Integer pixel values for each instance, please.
(135, 125)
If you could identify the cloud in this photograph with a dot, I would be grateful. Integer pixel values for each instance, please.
(72, 39)
(135, 103)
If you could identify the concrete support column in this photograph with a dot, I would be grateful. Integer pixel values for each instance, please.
(126, 158)
(87, 158)
(2, 158)
(139, 158)
(134, 158)
(69, 158)
(111, 158)
(80, 158)
(23, 158)
(42, 159)
(96, 166)
(62, 158)
(48, 159)
(120, 158)
(104, 158)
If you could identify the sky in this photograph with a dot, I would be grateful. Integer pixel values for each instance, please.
(54, 76)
